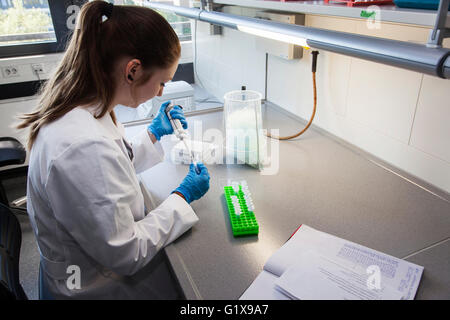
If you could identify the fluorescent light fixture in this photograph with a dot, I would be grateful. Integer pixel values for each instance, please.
(275, 36)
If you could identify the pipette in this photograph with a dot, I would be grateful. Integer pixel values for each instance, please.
(181, 134)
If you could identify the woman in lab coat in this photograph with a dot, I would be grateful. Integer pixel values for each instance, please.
(84, 199)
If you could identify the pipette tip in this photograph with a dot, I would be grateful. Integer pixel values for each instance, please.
(197, 169)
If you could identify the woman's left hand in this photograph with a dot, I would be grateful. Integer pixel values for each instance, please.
(161, 126)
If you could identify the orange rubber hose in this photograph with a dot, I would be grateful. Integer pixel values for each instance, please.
(312, 116)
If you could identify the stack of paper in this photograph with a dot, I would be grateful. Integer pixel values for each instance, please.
(316, 265)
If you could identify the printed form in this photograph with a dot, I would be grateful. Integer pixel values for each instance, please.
(316, 265)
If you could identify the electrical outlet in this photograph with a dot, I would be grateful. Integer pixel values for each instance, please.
(10, 71)
(38, 68)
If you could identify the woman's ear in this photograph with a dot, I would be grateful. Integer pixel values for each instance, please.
(133, 69)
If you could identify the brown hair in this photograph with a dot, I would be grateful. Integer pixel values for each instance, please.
(85, 74)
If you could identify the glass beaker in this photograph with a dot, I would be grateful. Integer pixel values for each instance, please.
(243, 127)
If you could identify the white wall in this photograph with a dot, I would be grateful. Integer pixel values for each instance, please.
(397, 115)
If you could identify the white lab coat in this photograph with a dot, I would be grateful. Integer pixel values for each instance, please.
(87, 209)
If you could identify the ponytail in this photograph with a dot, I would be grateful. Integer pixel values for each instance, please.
(85, 74)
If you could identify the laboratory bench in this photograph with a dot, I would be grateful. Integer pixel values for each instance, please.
(322, 182)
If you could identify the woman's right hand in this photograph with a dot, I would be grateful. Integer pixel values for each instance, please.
(194, 185)
(160, 126)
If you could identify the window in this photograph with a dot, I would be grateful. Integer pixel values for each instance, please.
(181, 25)
(30, 27)
(25, 22)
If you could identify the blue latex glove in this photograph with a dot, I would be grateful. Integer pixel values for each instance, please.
(194, 185)
(161, 126)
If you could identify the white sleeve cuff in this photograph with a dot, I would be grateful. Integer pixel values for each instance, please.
(176, 216)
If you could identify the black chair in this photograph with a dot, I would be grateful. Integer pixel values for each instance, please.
(11, 152)
(10, 242)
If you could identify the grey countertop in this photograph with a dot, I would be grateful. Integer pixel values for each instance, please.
(322, 182)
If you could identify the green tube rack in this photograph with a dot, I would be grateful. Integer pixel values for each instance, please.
(245, 223)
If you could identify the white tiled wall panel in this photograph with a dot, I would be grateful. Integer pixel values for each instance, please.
(383, 98)
(431, 130)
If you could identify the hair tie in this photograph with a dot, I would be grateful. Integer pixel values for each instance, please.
(108, 9)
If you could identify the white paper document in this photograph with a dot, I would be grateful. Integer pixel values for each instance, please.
(316, 265)
(323, 279)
